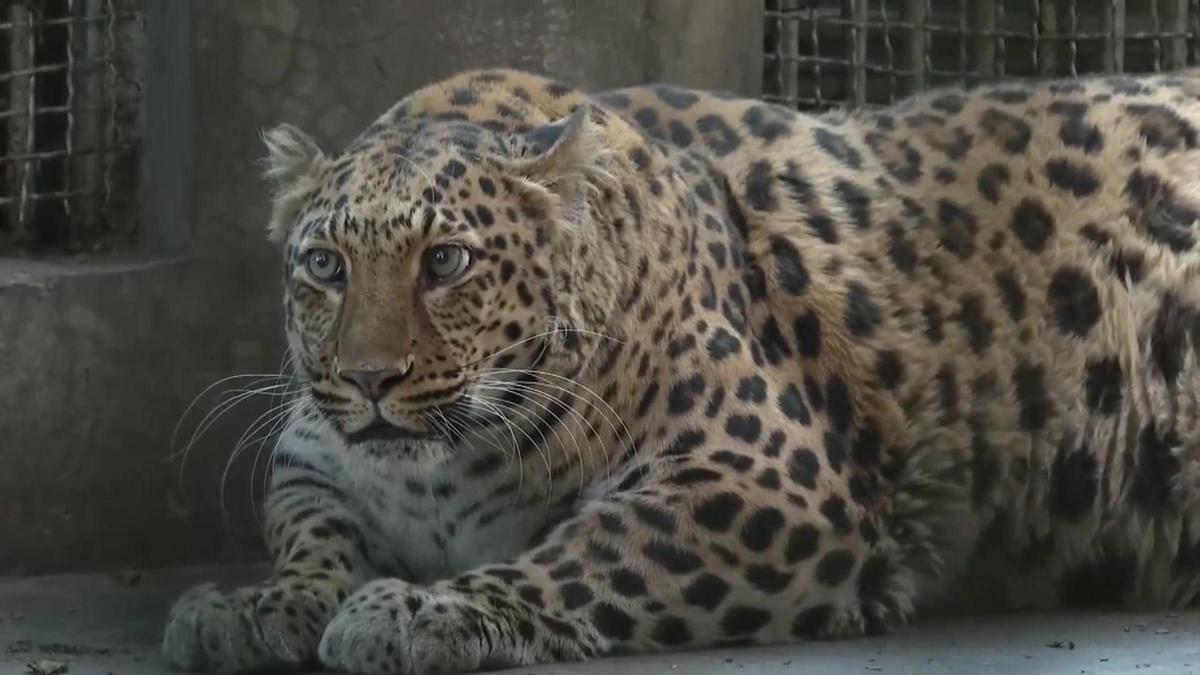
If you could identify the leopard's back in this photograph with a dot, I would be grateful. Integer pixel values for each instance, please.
(1005, 275)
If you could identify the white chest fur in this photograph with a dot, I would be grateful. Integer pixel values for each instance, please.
(432, 514)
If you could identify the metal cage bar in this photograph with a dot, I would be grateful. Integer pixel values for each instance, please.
(854, 53)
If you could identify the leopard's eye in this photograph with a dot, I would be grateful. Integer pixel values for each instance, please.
(446, 262)
(325, 265)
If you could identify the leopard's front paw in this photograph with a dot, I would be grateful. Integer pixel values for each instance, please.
(394, 627)
(271, 625)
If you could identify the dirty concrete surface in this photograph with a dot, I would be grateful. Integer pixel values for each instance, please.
(102, 624)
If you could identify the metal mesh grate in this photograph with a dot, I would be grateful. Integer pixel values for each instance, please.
(70, 99)
(856, 53)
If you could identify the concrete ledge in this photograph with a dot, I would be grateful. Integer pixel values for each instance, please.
(112, 623)
(44, 272)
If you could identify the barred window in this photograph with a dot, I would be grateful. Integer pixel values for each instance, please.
(854, 53)
(70, 115)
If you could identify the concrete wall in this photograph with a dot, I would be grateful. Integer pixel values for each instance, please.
(99, 358)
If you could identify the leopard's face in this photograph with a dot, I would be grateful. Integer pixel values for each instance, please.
(420, 280)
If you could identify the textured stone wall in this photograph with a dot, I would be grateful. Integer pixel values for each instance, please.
(98, 359)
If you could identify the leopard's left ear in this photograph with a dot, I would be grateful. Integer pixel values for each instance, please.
(563, 156)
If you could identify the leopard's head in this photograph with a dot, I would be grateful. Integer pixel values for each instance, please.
(433, 266)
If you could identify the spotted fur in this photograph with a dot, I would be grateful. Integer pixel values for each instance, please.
(726, 374)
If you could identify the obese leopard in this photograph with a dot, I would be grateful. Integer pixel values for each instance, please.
(657, 369)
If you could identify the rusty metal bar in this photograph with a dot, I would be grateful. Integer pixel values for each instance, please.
(45, 196)
(788, 43)
(914, 44)
(1175, 16)
(1193, 21)
(88, 130)
(974, 32)
(815, 34)
(1001, 47)
(888, 49)
(46, 69)
(1046, 38)
(1073, 43)
(47, 110)
(1114, 41)
(1156, 25)
(57, 154)
(856, 40)
(962, 41)
(64, 21)
(20, 130)
(985, 48)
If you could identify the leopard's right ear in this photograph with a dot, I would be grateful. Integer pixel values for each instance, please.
(291, 153)
(291, 166)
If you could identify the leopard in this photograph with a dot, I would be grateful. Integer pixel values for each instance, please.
(657, 369)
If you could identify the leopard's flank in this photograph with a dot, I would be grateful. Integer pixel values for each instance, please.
(657, 369)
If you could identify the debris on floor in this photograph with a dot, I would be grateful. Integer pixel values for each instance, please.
(129, 578)
(55, 648)
(47, 667)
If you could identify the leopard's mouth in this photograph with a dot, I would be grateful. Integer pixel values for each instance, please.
(381, 430)
(457, 416)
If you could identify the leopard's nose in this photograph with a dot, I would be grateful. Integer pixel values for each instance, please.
(375, 382)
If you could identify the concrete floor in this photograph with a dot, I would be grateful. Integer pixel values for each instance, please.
(110, 625)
